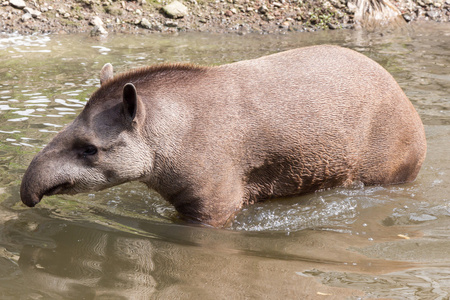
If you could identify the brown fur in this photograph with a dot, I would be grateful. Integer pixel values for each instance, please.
(210, 139)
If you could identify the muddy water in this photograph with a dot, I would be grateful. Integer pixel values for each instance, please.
(127, 243)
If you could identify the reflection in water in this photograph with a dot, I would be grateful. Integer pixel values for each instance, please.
(128, 243)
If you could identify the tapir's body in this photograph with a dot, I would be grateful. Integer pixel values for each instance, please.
(210, 139)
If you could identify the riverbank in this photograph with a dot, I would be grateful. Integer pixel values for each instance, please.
(242, 16)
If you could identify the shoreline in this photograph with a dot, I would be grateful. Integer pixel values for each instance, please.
(100, 17)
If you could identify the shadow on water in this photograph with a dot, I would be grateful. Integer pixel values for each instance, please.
(128, 243)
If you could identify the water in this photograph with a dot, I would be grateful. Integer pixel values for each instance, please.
(128, 243)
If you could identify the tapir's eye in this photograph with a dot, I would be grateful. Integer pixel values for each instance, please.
(90, 150)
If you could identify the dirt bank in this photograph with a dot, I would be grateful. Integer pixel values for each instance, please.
(242, 16)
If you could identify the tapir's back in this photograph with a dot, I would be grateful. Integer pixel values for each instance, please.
(324, 116)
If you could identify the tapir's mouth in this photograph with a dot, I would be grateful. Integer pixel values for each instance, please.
(58, 189)
(31, 199)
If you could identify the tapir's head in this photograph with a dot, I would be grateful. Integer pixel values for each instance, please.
(104, 146)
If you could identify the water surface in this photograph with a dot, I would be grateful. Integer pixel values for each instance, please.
(128, 243)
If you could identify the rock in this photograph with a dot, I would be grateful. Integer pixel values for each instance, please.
(332, 26)
(285, 25)
(20, 4)
(157, 26)
(351, 7)
(228, 13)
(277, 4)
(96, 21)
(33, 12)
(145, 24)
(26, 17)
(407, 17)
(98, 30)
(175, 10)
(263, 9)
(170, 23)
(433, 14)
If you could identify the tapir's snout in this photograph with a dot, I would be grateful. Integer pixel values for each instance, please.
(41, 179)
(33, 187)
(29, 199)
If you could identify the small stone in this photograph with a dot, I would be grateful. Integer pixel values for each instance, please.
(170, 23)
(263, 9)
(33, 12)
(96, 21)
(351, 7)
(157, 26)
(407, 17)
(26, 17)
(332, 26)
(228, 13)
(285, 25)
(175, 10)
(138, 12)
(433, 14)
(20, 4)
(145, 24)
(277, 4)
(98, 30)
(234, 10)
(66, 15)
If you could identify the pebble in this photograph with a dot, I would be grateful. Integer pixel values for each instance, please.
(20, 4)
(333, 26)
(26, 17)
(228, 13)
(33, 12)
(145, 24)
(263, 9)
(98, 30)
(407, 17)
(433, 14)
(96, 21)
(285, 25)
(170, 23)
(175, 10)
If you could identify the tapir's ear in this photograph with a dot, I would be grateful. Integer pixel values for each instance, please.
(130, 101)
(106, 73)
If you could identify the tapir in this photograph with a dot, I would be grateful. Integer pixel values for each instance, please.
(211, 139)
